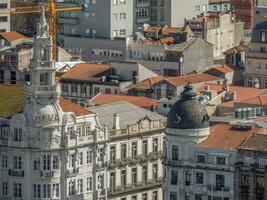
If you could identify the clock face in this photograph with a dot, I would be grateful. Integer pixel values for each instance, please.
(177, 119)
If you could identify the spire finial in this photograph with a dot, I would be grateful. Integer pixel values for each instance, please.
(188, 93)
(42, 18)
(42, 29)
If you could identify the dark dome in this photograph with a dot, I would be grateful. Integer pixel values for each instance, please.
(188, 112)
(257, 32)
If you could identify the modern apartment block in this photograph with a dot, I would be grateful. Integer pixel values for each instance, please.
(4, 16)
(108, 19)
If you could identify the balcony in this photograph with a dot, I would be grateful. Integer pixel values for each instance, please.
(16, 172)
(143, 185)
(47, 174)
(100, 165)
(64, 20)
(72, 172)
(260, 55)
(173, 163)
(216, 188)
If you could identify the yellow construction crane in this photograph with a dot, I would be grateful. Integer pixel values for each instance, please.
(52, 11)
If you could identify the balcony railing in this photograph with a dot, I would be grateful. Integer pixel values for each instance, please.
(47, 174)
(72, 172)
(219, 188)
(16, 172)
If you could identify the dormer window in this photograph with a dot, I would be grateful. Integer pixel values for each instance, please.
(263, 36)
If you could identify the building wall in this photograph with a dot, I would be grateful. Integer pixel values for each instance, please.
(219, 7)
(197, 57)
(92, 49)
(4, 16)
(187, 10)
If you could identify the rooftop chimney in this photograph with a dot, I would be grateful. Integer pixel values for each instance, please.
(116, 121)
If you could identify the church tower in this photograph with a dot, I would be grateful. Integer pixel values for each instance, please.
(42, 92)
(42, 86)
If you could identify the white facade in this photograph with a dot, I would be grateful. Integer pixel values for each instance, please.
(4, 16)
(47, 153)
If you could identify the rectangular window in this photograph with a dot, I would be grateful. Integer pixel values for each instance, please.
(123, 151)
(80, 186)
(18, 134)
(3, 5)
(4, 161)
(3, 19)
(123, 178)
(55, 162)
(55, 190)
(80, 158)
(122, 16)
(71, 188)
(134, 175)
(198, 196)
(17, 162)
(112, 153)
(134, 149)
(187, 178)
(37, 191)
(89, 186)
(47, 162)
(155, 145)
(155, 171)
(219, 182)
(89, 156)
(71, 160)
(46, 191)
(173, 196)
(220, 160)
(144, 147)
(2, 76)
(144, 173)
(112, 180)
(17, 190)
(100, 180)
(199, 178)
(201, 158)
(174, 177)
(88, 130)
(155, 195)
(4, 188)
(175, 152)
(122, 32)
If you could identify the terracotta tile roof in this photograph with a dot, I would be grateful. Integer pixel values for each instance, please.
(86, 72)
(258, 100)
(171, 30)
(12, 36)
(167, 40)
(152, 29)
(148, 83)
(109, 98)
(192, 79)
(242, 93)
(216, 71)
(13, 100)
(257, 142)
(224, 136)
(68, 106)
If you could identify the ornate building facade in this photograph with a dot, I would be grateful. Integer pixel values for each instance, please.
(48, 150)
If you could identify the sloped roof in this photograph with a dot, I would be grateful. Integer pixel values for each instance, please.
(147, 83)
(129, 114)
(13, 100)
(180, 47)
(192, 79)
(101, 99)
(258, 100)
(12, 36)
(220, 70)
(86, 71)
(224, 136)
(242, 93)
(256, 142)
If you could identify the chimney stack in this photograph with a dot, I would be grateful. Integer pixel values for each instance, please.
(116, 121)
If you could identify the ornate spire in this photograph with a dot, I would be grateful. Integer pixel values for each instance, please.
(188, 93)
(42, 29)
